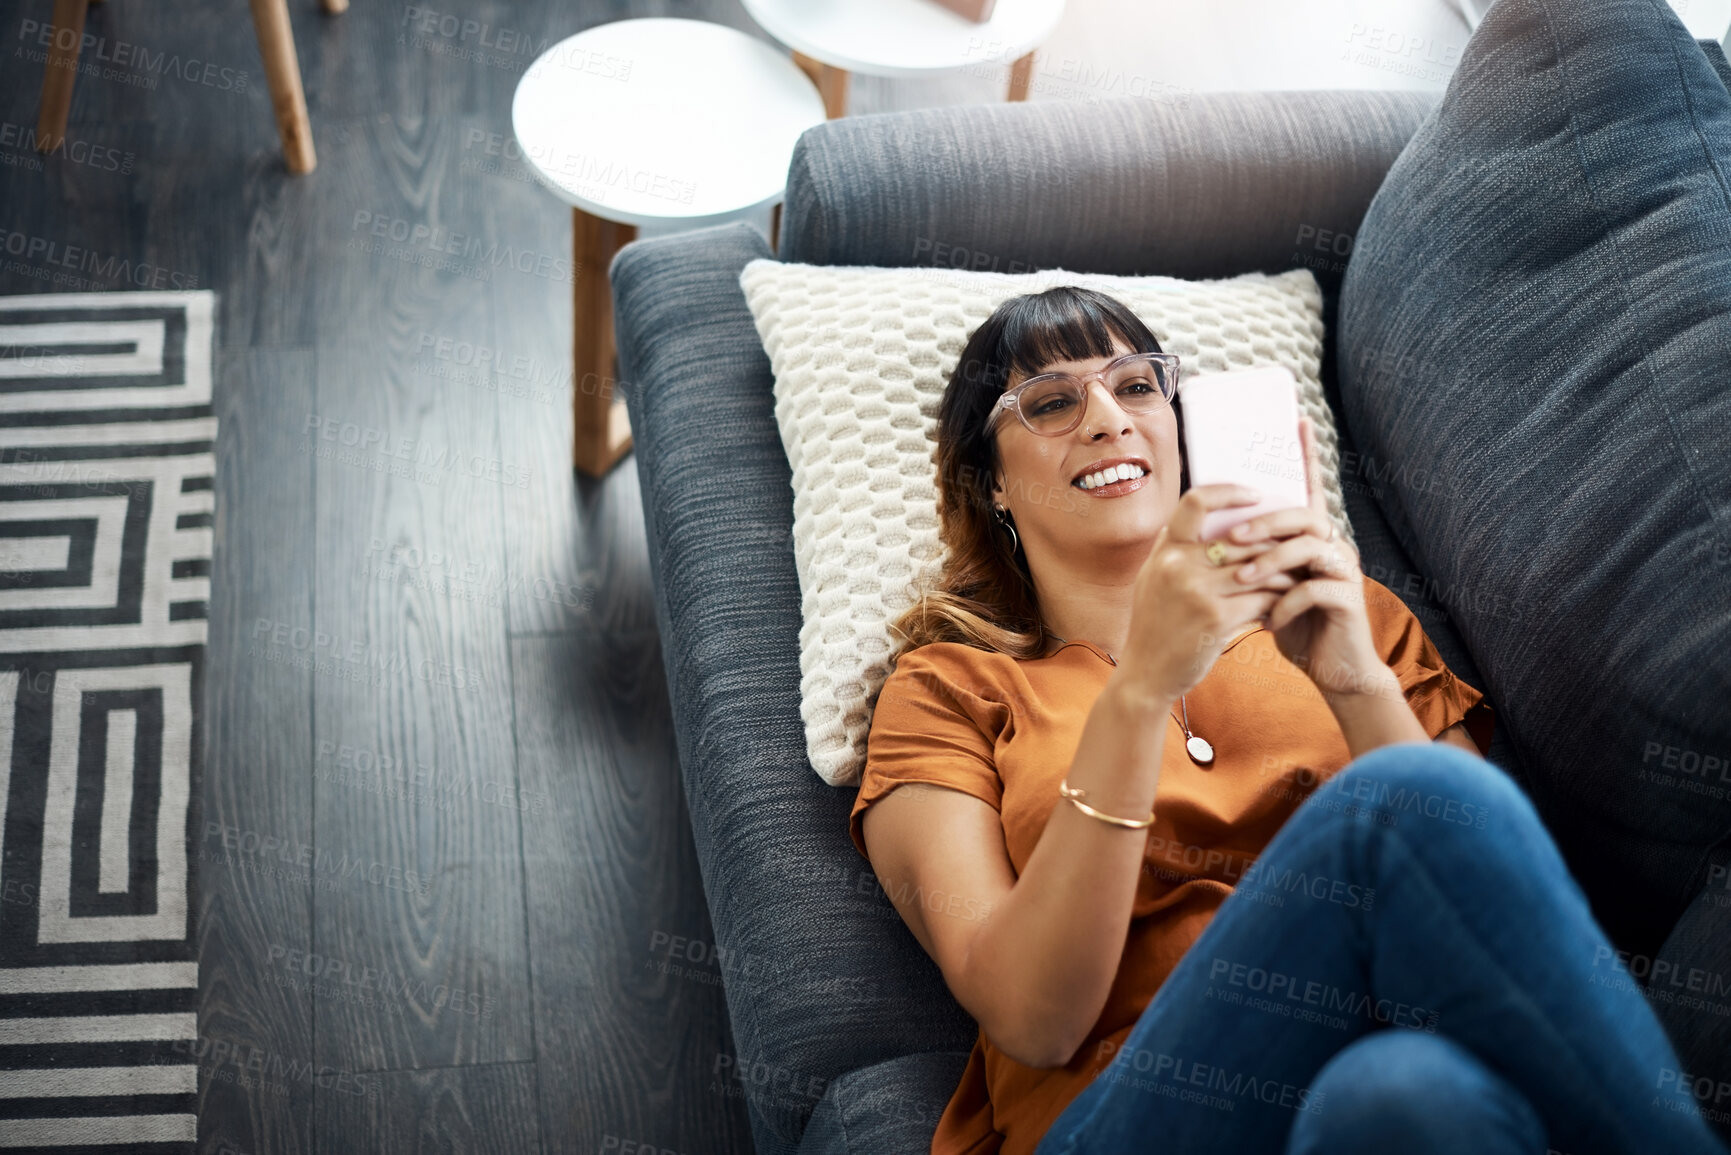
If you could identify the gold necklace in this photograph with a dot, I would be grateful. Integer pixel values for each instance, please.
(1201, 751)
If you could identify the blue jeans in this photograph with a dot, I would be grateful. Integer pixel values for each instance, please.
(1408, 968)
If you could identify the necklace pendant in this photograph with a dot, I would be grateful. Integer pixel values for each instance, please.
(1200, 751)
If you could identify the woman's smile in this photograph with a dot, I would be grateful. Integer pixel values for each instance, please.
(1112, 477)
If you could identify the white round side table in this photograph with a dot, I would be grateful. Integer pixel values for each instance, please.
(832, 38)
(660, 123)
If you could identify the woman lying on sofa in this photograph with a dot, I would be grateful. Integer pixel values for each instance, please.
(1211, 885)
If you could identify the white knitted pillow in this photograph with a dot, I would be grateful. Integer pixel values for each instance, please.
(861, 357)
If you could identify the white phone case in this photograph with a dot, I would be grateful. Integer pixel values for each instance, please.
(1242, 428)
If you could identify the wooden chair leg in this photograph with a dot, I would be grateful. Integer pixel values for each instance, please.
(334, 7)
(282, 70)
(831, 84)
(1021, 76)
(601, 431)
(58, 73)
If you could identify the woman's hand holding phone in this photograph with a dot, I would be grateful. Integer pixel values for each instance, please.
(1319, 622)
(1185, 608)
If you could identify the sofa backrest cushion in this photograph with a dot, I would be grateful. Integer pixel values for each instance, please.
(1535, 329)
(1222, 184)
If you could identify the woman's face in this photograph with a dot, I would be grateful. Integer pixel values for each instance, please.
(1040, 479)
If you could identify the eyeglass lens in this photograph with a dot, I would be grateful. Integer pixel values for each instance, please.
(1056, 405)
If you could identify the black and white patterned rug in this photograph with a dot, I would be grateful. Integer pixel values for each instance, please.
(107, 466)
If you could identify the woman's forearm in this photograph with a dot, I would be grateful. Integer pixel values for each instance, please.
(1041, 970)
(1373, 712)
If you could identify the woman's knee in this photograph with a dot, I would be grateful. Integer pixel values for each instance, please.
(1418, 1094)
(1441, 785)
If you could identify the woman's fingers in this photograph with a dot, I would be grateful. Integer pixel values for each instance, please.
(1324, 558)
(1281, 523)
(1185, 524)
(1313, 466)
(1306, 596)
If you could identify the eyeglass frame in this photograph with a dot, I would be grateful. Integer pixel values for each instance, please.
(1012, 398)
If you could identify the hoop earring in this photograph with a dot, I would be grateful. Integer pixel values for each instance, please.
(1015, 542)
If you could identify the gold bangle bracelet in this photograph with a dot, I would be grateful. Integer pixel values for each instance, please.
(1076, 796)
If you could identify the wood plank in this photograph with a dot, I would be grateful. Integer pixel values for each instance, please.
(629, 1043)
(575, 546)
(453, 1111)
(419, 688)
(429, 61)
(256, 773)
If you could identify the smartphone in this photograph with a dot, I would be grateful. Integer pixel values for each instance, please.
(1242, 428)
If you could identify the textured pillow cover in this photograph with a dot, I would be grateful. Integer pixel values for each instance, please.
(861, 357)
(1535, 330)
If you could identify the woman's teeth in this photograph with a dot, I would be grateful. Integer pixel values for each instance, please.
(1110, 474)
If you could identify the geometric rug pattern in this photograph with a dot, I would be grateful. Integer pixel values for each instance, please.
(107, 467)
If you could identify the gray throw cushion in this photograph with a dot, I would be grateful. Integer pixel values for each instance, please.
(822, 976)
(1536, 333)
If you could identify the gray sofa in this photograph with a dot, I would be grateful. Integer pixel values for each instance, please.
(852, 1043)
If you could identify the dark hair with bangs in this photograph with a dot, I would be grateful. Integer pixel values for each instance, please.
(984, 595)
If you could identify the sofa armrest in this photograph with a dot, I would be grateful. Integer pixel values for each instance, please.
(1220, 184)
(891, 1108)
(822, 977)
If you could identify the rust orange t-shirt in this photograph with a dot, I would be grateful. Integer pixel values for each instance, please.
(1004, 730)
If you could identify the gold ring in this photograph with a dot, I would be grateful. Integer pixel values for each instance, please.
(1216, 552)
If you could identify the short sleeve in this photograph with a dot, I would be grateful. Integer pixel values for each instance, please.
(929, 727)
(1436, 696)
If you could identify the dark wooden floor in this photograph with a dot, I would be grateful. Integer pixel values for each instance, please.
(443, 847)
